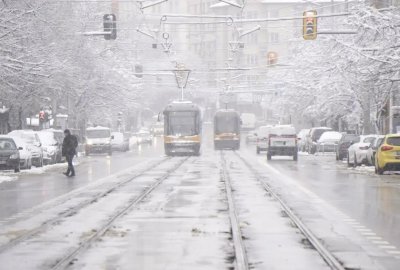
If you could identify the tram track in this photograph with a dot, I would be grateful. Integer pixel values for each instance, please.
(71, 255)
(332, 262)
(73, 210)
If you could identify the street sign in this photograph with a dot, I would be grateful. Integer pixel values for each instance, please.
(310, 25)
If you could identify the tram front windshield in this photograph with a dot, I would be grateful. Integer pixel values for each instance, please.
(182, 124)
(226, 124)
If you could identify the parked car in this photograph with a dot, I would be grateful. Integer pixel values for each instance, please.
(9, 154)
(282, 142)
(372, 150)
(25, 156)
(313, 137)
(144, 137)
(119, 142)
(387, 156)
(51, 145)
(357, 152)
(251, 137)
(345, 142)
(302, 139)
(33, 145)
(328, 142)
(262, 138)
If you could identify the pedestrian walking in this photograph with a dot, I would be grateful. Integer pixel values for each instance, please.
(69, 146)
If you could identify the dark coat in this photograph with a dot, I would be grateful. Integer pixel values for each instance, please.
(69, 146)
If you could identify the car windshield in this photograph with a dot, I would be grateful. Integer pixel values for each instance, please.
(7, 144)
(98, 133)
(395, 141)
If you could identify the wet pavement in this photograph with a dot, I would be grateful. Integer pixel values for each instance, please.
(366, 203)
(371, 200)
(33, 188)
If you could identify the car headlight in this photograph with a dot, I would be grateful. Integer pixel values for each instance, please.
(89, 142)
(14, 156)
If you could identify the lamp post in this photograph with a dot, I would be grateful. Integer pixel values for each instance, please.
(181, 75)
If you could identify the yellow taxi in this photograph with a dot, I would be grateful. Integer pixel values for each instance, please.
(387, 156)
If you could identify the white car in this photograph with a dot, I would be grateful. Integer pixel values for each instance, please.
(302, 139)
(251, 137)
(25, 156)
(33, 145)
(263, 138)
(357, 153)
(372, 150)
(328, 142)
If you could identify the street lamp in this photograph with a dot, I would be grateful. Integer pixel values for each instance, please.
(181, 76)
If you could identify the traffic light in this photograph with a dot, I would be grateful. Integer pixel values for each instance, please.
(272, 58)
(138, 71)
(310, 25)
(110, 26)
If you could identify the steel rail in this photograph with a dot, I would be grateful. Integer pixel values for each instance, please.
(75, 209)
(328, 257)
(68, 259)
(240, 250)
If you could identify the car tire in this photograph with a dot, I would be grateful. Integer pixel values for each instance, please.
(378, 170)
(41, 162)
(269, 156)
(17, 169)
(87, 153)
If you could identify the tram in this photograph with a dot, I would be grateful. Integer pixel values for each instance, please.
(182, 128)
(227, 130)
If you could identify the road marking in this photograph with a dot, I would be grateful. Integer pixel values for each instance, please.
(374, 238)
(387, 247)
(394, 252)
(381, 242)
(368, 233)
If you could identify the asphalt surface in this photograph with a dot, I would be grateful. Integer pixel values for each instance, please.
(371, 200)
(29, 190)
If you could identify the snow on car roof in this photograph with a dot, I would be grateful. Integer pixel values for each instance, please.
(98, 128)
(283, 130)
(331, 136)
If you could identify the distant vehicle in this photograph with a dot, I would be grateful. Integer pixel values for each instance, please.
(357, 152)
(182, 128)
(144, 137)
(251, 137)
(249, 121)
(226, 130)
(282, 142)
(51, 145)
(33, 144)
(387, 156)
(9, 154)
(262, 138)
(157, 129)
(119, 142)
(328, 142)
(302, 139)
(98, 140)
(313, 137)
(372, 149)
(25, 156)
(345, 142)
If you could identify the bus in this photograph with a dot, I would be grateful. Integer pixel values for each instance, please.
(182, 128)
(227, 130)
